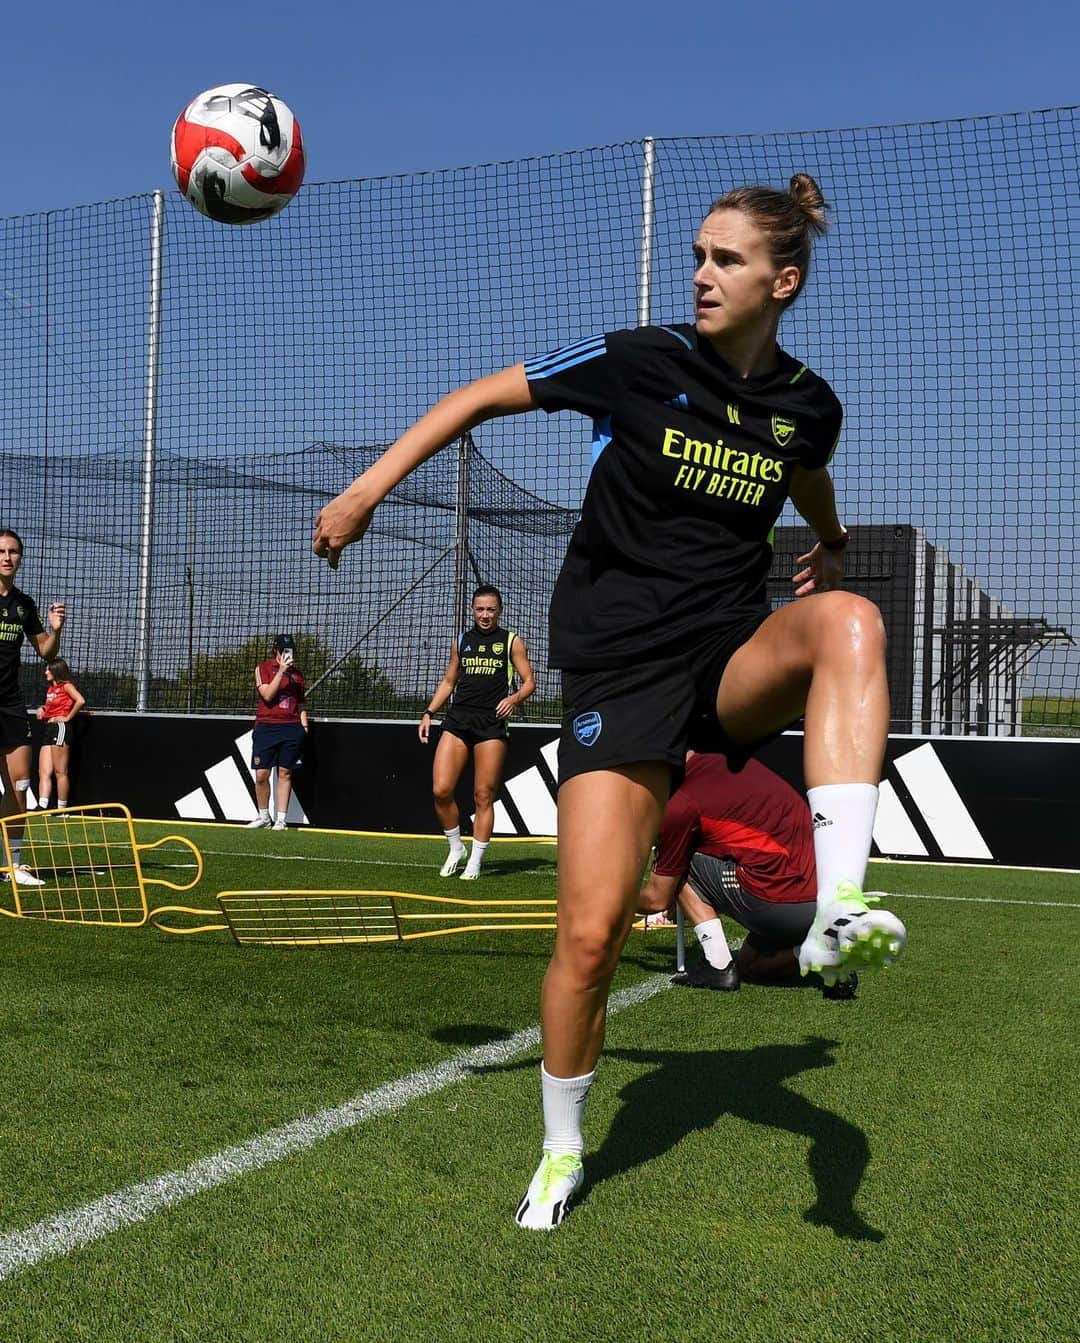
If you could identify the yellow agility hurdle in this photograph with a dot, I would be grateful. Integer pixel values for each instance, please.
(90, 863)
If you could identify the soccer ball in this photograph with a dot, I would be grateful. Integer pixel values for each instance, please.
(237, 154)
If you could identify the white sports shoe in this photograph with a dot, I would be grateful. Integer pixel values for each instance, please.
(470, 873)
(551, 1192)
(279, 824)
(847, 933)
(24, 877)
(259, 823)
(453, 862)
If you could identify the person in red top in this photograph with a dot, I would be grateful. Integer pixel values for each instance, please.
(740, 844)
(281, 724)
(63, 701)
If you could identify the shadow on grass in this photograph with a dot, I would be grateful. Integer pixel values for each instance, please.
(685, 1092)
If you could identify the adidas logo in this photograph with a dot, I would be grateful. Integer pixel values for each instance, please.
(820, 820)
(939, 808)
(232, 789)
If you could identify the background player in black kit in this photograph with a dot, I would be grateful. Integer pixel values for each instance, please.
(19, 620)
(660, 622)
(480, 677)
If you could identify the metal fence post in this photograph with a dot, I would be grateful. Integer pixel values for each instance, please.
(150, 411)
(461, 537)
(648, 219)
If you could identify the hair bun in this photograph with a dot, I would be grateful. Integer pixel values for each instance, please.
(806, 194)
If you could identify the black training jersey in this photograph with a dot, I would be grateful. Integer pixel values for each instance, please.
(691, 467)
(18, 618)
(487, 672)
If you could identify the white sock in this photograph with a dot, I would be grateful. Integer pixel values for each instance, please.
(713, 943)
(453, 838)
(60, 803)
(42, 802)
(564, 1104)
(264, 813)
(843, 829)
(476, 854)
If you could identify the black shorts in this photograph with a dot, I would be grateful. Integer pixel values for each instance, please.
(475, 726)
(14, 727)
(771, 925)
(57, 733)
(651, 711)
(277, 744)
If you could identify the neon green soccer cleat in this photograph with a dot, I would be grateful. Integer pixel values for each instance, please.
(551, 1192)
(847, 934)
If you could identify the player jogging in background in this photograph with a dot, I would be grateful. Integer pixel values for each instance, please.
(660, 621)
(480, 677)
(741, 845)
(19, 620)
(63, 700)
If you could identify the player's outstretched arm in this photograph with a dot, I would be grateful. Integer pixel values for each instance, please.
(346, 518)
(812, 494)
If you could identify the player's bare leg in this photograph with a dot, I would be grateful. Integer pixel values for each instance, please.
(283, 796)
(607, 823)
(824, 657)
(262, 800)
(451, 757)
(15, 765)
(488, 760)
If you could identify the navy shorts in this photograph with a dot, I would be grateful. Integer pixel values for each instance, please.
(14, 727)
(651, 711)
(277, 744)
(473, 728)
(771, 925)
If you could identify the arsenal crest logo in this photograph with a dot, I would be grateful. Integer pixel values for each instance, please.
(782, 430)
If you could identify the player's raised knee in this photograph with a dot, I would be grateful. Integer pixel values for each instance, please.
(854, 620)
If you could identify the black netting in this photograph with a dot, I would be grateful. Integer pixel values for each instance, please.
(941, 307)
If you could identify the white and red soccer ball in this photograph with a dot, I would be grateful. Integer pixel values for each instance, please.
(237, 154)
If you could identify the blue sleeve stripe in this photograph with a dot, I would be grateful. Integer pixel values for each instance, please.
(544, 365)
(678, 336)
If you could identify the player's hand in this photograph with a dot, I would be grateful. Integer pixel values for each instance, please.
(39, 714)
(57, 612)
(824, 571)
(505, 707)
(424, 730)
(343, 520)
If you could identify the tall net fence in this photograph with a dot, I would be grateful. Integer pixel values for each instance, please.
(168, 491)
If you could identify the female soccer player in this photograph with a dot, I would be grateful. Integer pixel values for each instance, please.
(19, 620)
(483, 661)
(63, 700)
(659, 618)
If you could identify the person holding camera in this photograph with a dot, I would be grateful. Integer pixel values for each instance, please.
(281, 724)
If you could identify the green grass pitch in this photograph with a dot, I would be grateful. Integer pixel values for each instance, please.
(763, 1166)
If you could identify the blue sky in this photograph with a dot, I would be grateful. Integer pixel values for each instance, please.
(92, 90)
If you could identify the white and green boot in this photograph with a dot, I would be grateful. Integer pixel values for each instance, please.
(847, 935)
(551, 1191)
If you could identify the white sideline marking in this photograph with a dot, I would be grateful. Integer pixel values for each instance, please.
(973, 899)
(69, 1231)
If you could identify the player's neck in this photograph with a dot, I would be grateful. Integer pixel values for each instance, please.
(6, 584)
(750, 353)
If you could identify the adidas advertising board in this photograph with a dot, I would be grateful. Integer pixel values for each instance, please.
(960, 799)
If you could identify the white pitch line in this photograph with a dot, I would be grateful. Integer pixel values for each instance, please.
(69, 1231)
(974, 899)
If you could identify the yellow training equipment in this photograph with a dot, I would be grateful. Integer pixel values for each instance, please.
(90, 863)
(328, 918)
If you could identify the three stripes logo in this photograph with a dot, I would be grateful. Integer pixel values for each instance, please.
(940, 814)
(229, 791)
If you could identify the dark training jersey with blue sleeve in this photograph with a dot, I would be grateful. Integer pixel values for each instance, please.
(487, 670)
(692, 466)
(19, 619)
